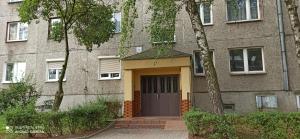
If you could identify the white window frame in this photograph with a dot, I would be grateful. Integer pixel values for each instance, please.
(109, 73)
(18, 30)
(202, 15)
(248, 12)
(58, 68)
(194, 59)
(52, 20)
(15, 70)
(114, 19)
(298, 101)
(262, 107)
(246, 65)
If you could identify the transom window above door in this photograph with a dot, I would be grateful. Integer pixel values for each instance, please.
(17, 31)
(247, 60)
(243, 10)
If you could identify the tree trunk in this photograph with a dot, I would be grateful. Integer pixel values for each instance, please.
(210, 72)
(60, 92)
(295, 23)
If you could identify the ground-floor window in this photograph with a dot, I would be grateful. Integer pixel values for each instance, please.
(54, 69)
(247, 60)
(14, 72)
(298, 101)
(109, 68)
(198, 63)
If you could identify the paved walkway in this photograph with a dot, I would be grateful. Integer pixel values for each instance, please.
(142, 134)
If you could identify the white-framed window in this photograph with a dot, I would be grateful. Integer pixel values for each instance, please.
(298, 101)
(12, 1)
(243, 10)
(198, 63)
(13, 72)
(247, 60)
(52, 23)
(117, 20)
(206, 15)
(266, 101)
(54, 68)
(17, 31)
(109, 68)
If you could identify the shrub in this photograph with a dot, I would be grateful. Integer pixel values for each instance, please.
(23, 119)
(53, 122)
(209, 125)
(269, 124)
(21, 93)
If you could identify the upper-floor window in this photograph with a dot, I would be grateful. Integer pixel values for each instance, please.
(205, 11)
(198, 63)
(13, 72)
(239, 10)
(247, 60)
(117, 20)
(53, 24)
(17, 31)
(109, 68)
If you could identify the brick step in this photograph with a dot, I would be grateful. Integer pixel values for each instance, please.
(140, 122)
(136, 126)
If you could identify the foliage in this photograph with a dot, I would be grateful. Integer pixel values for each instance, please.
(209, 125)
(21, 93)
(89, 20)
(89, 116)
(129, 13)
(2, 124)
(23, 118)
(265, 125)
(162, 26)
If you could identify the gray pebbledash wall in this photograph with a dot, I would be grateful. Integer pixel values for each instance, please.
(82, 82)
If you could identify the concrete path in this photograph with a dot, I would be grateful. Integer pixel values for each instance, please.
(142, 134)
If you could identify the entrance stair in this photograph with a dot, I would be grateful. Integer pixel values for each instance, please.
(167, 123)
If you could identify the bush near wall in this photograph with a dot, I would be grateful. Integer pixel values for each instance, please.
(90, 116)
(264, 125)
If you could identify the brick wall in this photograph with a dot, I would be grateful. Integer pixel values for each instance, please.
(184, 106)
(137, 103)
(128, 109)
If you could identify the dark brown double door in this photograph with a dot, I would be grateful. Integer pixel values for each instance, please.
(160, 95)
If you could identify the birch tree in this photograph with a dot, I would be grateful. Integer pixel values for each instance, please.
(292, 7)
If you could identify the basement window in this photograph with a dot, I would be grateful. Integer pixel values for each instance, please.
(263, 102)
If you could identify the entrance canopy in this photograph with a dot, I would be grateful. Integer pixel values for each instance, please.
(159, 63)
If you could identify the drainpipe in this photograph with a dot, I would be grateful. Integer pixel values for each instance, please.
(286, 86)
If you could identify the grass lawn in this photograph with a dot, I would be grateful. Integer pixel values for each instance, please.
(2, 124)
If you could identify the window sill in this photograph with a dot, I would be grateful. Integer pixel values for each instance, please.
(243, 21)
(200, 75)
(248, 73)
(109, 79)
(53, 81)
(8, 41)
(13, 2)
(6, 82)
(208, 24)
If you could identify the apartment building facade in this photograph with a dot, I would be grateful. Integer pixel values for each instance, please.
(251, 50)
